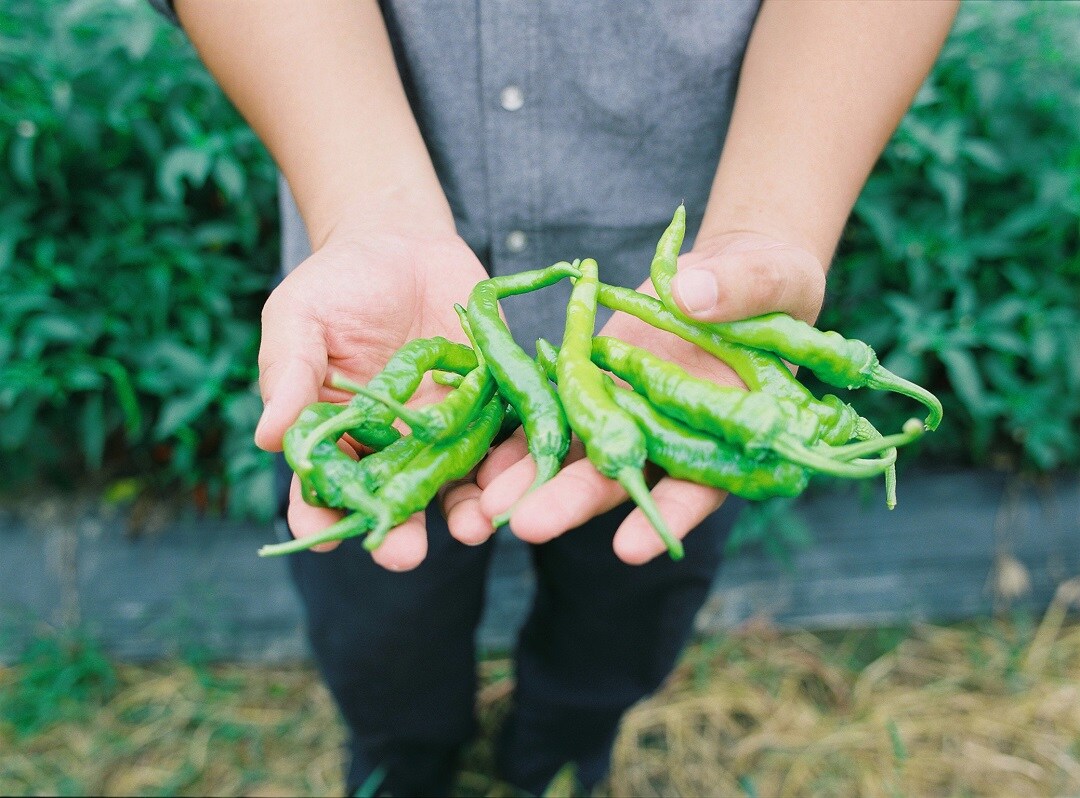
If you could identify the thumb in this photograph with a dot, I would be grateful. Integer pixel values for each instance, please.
(748, 278)
(292, 367)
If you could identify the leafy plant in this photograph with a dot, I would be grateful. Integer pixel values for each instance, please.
(138, 240)
(962, 261)
(137, 243)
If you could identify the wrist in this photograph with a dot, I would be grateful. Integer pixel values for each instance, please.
(396, 208)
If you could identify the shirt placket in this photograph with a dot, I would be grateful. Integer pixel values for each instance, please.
(512, 92)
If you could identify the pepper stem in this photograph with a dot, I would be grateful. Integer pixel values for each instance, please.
(633, 482)
(414, 418)
(377, 536)
(874, 442)
(348, 527)
(811, 458)
(333, 426)
(865, 431)
(547, 466)
(883, 379)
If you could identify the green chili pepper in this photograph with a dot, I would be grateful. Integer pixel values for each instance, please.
(332, 479)
(614, 443)
(510, 422)
(521, 381)
(447, 378)
(348, 527)
(686, 453)
(368, 421)
(445, 419)
(375, 469)
(412, 490)
(753, 420)
(761, 371)
(839, 361)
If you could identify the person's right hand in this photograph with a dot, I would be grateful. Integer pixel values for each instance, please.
(347, 309)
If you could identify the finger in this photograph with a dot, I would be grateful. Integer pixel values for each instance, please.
(405, 547)
(467, 523)
(507, 487)
(511, 483)
(501, 458)
(574, 496)
(305, 520)
(292, 368)
(748, 279)
(288, 380)
(683, 506)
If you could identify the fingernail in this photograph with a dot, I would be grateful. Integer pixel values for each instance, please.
(696, 290)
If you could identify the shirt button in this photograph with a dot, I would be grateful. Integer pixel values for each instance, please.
(516, 241)
(511, 98)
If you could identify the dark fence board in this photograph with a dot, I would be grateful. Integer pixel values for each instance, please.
(197, 587)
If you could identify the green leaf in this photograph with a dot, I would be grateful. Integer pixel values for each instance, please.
(965, 379)
(1044, 347)
(952, 187)
(19, 421)
(21, 160)
(229, 178)
(985, 154)
(181, 411)
(180, 164)
(138, 37)
(92, 430)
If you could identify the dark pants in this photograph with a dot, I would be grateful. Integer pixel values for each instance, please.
(398, 650)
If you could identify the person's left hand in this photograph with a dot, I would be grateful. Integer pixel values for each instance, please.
(727, 277)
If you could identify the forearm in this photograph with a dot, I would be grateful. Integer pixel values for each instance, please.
(823, 86)
(318, 83)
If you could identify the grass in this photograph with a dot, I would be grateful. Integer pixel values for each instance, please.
(989, 708)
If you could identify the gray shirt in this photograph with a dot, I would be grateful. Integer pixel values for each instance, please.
(563, 129)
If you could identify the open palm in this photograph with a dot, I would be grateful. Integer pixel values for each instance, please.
(347, 309)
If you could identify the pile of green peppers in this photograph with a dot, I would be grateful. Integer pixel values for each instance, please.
(757, 443)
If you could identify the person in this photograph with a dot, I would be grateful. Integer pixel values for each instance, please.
(425, 144)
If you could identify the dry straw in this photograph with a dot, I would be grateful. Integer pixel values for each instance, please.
(988, 709)
(947, 712)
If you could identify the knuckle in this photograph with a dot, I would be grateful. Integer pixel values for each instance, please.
(767, 282)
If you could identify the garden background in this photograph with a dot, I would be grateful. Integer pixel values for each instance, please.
(138, 242)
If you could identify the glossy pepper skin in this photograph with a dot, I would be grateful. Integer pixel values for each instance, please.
(333, 478)
(614, 443)
(760, 370)
(834, 359)
(445, 419)
(521, 381)
(401, 376)
(368, 421)
(378, 467)
(753, 420)
(411, 490)
(686, 453)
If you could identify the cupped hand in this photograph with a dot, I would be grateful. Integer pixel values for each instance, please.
(347, 309)
(724, 278)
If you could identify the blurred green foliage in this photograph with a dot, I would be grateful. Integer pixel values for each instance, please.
(137, 244)
(138, 241)
(65, 676)
(961, 264)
